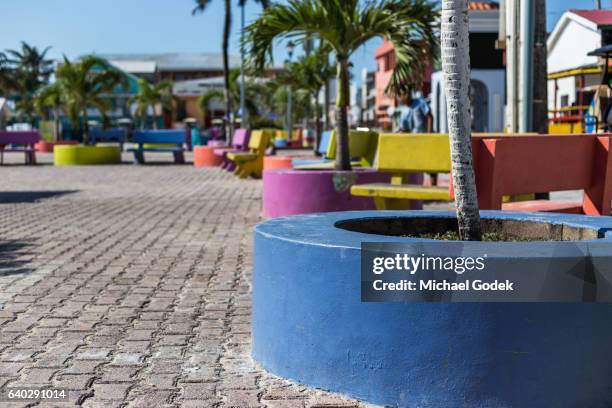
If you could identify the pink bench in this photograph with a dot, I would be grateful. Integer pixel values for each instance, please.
(240, 142)
(19, 142)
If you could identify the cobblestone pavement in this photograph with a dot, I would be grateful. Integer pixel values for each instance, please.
(129, 285)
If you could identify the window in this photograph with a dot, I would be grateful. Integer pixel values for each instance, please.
(564, 100)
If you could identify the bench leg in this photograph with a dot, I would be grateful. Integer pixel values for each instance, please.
(240, 171)
(138, 157)
(179, 157)
(391, 203)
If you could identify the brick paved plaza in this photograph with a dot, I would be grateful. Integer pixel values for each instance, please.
(129, 285)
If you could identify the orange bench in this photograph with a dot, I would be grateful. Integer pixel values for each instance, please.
(530, 164)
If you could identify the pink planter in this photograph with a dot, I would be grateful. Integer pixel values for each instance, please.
(47, 147)
(288, 192)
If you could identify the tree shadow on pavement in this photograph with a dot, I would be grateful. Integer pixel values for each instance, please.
(14, 256)
(18, 197)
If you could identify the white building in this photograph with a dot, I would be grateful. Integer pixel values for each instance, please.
(487, 88)
(569, 67)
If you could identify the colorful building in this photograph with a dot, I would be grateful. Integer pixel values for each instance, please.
(385, 64)
(574, 76)
(176, 66)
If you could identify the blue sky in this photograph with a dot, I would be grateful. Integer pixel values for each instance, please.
(75, 27)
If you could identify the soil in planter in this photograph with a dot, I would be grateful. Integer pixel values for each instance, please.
(445, 228)
(487, 236)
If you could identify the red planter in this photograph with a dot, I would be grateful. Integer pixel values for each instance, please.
(277, 162)
(204, 156)
(47, 147)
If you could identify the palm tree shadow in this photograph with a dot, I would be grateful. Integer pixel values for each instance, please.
(14, 256)
(18, 197)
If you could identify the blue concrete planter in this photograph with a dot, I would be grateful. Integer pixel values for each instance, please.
(310, 326)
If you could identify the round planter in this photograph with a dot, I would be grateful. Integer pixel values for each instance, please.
(204, 156)
(309, 324)
(289, 192)
(47, 147)
(277, 162)
(74, 155)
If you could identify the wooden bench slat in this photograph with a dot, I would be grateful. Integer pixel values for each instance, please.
(403, 191)
(327, 165)
(544, 206)
(18, 150)
(157, 149)
(241, 156)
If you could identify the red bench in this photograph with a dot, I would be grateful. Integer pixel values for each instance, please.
(19, 142)
(530, 164)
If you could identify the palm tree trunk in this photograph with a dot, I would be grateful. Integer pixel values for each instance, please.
(456, 68)
(226, 80)
(56, 125)
(85, 127)
(343, 159)
(317, 139)
(154, 116)
(326, 105)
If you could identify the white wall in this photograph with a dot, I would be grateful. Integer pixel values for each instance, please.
(494, 81)
(573, 40)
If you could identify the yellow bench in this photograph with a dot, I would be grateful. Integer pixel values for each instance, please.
(400, 155)
(251, 163)
(362, 146)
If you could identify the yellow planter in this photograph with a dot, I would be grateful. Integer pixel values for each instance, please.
(71, 155)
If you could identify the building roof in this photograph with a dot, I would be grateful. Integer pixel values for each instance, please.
(196, 87)
(140, 67)
(483, 5)
(598, 17)
(174, 61)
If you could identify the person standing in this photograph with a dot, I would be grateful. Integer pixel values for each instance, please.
(414, 114)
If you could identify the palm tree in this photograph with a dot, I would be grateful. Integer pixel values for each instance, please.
(85, 84)
(151, 96)
(234, 78)
(7, 78)
(207, 97)
(345, 25)
(310, 73)
(227, 25)
(456, 69)
(50, 97)
(30, 70)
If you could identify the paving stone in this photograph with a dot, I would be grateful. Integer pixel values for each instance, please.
(137, 288)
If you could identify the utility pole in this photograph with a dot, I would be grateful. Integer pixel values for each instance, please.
(290, 48)
(526, 71)
(243, 113)
(598, 4)
(540, 70)
(512, 62)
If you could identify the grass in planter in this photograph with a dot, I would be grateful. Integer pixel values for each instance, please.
(486, 236)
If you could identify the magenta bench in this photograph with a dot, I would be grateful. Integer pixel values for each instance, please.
(19, 142)
(240, 142)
